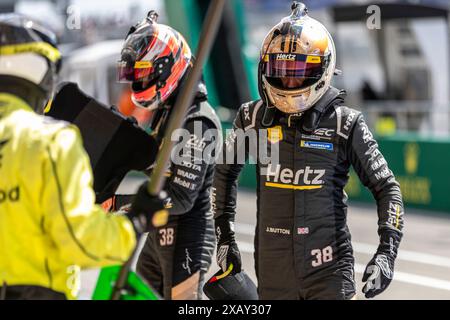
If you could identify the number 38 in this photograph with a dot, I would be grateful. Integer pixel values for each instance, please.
(324, 255)
(166, 237)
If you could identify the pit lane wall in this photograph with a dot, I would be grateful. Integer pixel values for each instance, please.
(421, 165)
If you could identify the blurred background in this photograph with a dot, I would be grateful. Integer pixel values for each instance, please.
(395, 62)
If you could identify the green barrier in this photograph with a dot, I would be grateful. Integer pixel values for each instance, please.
(420, 165)
(184, 16)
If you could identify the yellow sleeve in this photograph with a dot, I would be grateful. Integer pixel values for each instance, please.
(83, 233)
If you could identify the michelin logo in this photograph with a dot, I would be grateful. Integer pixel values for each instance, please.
(317, 145)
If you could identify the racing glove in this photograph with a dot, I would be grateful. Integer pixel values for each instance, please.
(227, 249)
(146, 211)
(380, 270)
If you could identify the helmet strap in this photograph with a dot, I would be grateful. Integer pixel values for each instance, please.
(331, 98)
(268, 116)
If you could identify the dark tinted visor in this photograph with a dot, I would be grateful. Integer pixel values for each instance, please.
(294, 71)
(282, 65)
(138, 71)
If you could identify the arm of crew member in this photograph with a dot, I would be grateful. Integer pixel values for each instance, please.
(82, 232)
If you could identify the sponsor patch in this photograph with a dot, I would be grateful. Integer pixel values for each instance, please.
(313, 59)
(394, 212)
(317, 145)
(314, 137)
(246, 113)
(383, 174)
(324, 132)
(275, 134)
(196, 143)
(302, 230)
(142, 64)
(349, 120)
(285, 178)
(168, 203)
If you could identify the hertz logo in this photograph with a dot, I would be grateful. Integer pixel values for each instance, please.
(286, 57)
(303, 179)
(394, 213)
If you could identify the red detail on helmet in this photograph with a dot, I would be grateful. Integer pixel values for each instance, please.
(213, 279)
(169, 56)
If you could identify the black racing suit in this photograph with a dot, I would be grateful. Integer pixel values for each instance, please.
(183, 248)
(302, 245)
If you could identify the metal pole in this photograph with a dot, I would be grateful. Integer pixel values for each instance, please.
(176, 120)
(184, 101)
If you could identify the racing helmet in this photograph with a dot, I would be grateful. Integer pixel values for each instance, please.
(154, 59)
(297, 62)
(29, 59)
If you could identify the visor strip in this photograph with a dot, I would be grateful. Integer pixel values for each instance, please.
(41, 48)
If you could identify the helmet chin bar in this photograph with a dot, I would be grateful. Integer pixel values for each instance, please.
(295, 102)
(26, 90)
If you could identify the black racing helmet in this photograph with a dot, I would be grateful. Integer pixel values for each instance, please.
(229, 286)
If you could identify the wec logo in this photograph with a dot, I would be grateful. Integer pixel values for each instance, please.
(286, 57)
(12, 195)
(323, 132)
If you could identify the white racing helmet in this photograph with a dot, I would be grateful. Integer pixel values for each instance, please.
(298, 60)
